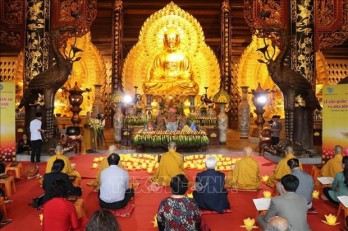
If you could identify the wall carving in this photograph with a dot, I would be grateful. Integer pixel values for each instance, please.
(12, 15)
(263, 14)
(75, 13)
(331, 23)
(338, 69)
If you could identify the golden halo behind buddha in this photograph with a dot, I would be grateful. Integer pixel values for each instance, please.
(139, 62)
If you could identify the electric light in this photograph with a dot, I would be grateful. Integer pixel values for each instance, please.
(127, 99)
(260, 99)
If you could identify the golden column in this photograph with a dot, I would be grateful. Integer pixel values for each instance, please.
(227, 83)
(302, 61)
(117, 52)
(36, 50)
(36, 39)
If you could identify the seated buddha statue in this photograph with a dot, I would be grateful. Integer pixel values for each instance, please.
(171, 71)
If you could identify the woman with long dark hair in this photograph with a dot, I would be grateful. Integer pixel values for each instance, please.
(102, 220)
(57, 174)
(340, 184)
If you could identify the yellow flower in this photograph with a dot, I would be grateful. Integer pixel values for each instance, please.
(41, 218)
(249, 224)
(155, 225)
(267, 194)
(331, 219)
(189, 195)
(265, 178)
(315, 194)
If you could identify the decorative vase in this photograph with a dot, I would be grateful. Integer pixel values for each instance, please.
(222, 124)
(118, 123)
(244, 114)
(98, 105)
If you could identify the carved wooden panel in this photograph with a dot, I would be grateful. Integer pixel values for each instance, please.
(74, 13)
(266, 13)
(12, 15)
(331, 23)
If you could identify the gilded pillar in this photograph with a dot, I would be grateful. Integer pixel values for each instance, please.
(227, 82)
(225, 46)
(303, 62)
(302, 38)
(36, 49)
(36, 38)
(117, 52)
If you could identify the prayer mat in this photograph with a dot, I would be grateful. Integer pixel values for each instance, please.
(268, 164)
(203, 212)
(124, 212)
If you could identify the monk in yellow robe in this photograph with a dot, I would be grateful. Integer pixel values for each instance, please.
(334, 165)
(170, 165)
(68, 169)
(282, 168)
(246, 174)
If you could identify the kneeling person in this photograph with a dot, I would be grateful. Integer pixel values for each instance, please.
(210, 193)
(246, 174)
(114, 185)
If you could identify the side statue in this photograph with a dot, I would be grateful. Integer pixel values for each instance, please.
(299, 120)
(50, 80)
(171, 72)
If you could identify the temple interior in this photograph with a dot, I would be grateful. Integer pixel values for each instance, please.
(210, 75)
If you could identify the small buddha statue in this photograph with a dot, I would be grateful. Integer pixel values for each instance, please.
(171, 72)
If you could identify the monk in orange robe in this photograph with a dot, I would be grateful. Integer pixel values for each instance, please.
(170, 165)
(246, 174)
(334, 165)
(282, 168)
(68, 168)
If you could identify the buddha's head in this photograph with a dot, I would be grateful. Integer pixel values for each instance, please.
(171, 38)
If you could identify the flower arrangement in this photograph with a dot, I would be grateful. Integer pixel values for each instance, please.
(135, 120)
(207, 121)
(160, 138)
(95, 124)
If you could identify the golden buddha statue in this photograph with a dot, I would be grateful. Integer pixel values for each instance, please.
(171, 72)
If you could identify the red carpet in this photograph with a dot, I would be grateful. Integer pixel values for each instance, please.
(147, 200)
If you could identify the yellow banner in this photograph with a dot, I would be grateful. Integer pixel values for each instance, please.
(335, 118)
(7, 121)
